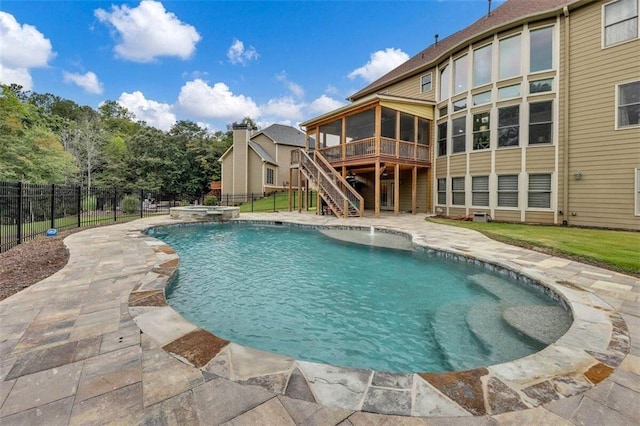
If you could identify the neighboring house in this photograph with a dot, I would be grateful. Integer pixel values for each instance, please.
(258, 162)
(531, 114)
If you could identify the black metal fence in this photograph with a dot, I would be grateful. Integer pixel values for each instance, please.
(275, 201)
(31, 210)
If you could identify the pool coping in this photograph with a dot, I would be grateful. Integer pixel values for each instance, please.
(593, 347)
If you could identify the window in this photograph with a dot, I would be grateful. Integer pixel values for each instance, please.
(480, 191)
(540, 191)
(541, 86)
(443, 111)
(628, 104)
(270, 176)
(423, 131)
(509, 126)
(620, 21)
(509, 92)
(508, 191)
(442, 191)
(540, 122)
(460, 74)
(457, 191)
(482, 65)
(481, 131)
(444, 82)
(541, 49)
(425, 83)
(331, 134)
(459, 127)
(509, 49)
(442, 139)
(482, 98)
(460, 105)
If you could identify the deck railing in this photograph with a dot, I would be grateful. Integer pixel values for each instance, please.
(366, 148)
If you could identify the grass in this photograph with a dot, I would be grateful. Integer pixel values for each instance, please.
(616, 250)
(266, 204)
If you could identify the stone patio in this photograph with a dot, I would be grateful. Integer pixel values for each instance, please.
(96, 343)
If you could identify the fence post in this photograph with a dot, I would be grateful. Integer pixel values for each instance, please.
(115, 204)
(141, 203)
(20, 207)
(53, 205)
(294, 199)
(79, 204)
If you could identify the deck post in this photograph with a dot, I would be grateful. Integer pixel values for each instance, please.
(396, 189)
(414, 190)
(291, 187)
(377, 188)
(299, 191)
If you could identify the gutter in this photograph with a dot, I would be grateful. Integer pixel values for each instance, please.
(565, 127)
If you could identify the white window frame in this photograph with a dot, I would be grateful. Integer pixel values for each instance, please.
(637, 191)
(474, 190)
(270, 171)
(549, 191)
(617, 96)
(510, 191)
(602, 26)
(459, 191)
(422, 84)
(441, 191)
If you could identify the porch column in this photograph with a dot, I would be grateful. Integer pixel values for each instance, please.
(377, 186)
(299, 191)
(377, 131)
(343, 139)
(344, 172)
(396, 190)
(291, 187)
(414, 190)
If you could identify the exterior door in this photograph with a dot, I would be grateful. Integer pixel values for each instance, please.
(386, 194)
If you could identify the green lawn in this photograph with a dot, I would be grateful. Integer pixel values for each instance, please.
(617, 250)
(266, 204)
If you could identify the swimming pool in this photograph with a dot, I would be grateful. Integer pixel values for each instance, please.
(298, 293)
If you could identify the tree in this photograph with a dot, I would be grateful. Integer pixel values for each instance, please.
(85, 145)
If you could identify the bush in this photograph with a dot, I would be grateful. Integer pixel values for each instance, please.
(130, 204)
(210, 200)
(89, 203)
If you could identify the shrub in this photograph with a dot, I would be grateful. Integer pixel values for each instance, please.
(89, 203)
(210, 200)
(130, 204)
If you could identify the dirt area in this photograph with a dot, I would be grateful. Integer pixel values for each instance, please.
(30, 262)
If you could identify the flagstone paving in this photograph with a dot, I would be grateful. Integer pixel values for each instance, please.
(96, 343)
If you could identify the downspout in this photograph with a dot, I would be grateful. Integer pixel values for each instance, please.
(565, 127)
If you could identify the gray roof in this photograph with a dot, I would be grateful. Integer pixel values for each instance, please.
(261, 152)
(285, 135)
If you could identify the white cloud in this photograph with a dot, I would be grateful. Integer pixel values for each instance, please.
(283, 108)
(149, 31)
(22, 47)
(324, 104)
(154, 113)
(294, 88)
(380, 63)
(89, 81)
(237, 54)
(201, 100)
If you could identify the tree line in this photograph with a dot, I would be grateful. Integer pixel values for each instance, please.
(47, 139)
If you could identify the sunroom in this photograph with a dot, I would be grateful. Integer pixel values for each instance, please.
(381, 146)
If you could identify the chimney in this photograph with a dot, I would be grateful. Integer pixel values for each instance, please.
(436, 37)
(241, 133)
(489, 10)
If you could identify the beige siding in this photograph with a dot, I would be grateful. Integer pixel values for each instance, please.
(254, 174)
(441, 167)
(606, 157)
(458, 165)
(266, 144)
(508, 160)
(410, 87)
(539, 217)
(480, 163)
(227, 174)
(423, 111)
(421, 195)
(457, 211)
(541, 159)
(506, 215)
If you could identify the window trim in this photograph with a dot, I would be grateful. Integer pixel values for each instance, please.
(453, 136)
(553, 48)
(270, 171)
(487, 191)
(441, 191)
(637, 192)
(430, 74)
(617, 107)
(519, 126)
(444, 139)
(602, 26)
(475, 132)
(550, 123)
(550, 192)
(463, 191)
(516, 192)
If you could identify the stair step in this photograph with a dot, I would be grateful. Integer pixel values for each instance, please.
(544, 324)
(457, 344)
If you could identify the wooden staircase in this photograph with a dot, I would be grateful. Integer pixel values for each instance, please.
(341, 198)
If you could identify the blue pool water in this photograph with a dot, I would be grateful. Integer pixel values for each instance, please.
(299, 293)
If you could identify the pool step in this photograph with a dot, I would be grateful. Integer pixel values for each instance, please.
(544, 324)
(501, 289)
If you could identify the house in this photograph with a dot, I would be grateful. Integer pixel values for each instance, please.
(258, 162)
(530, 114)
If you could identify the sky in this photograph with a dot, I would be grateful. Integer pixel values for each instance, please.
(216, 62)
